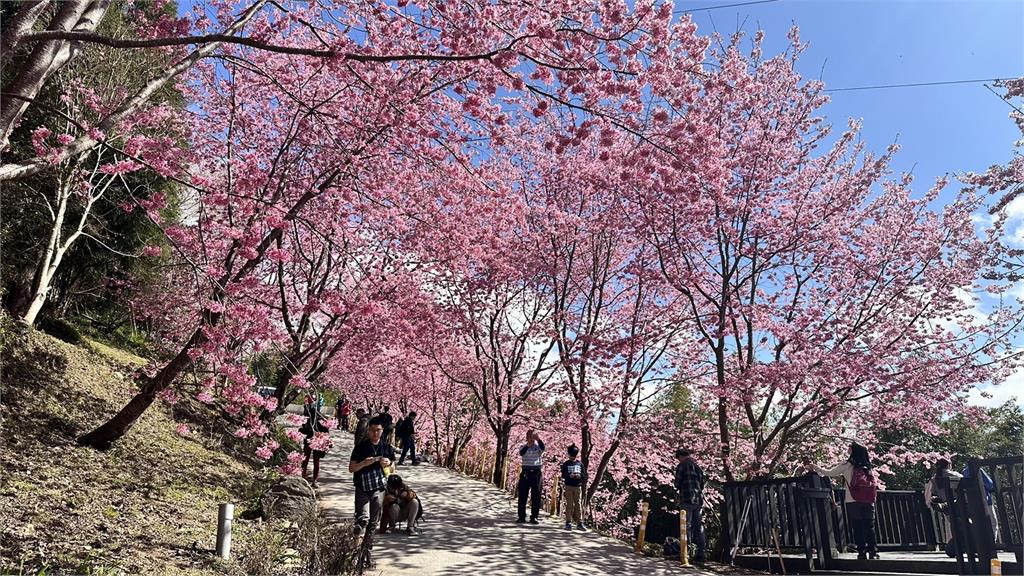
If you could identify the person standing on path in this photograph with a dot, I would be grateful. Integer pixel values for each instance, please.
(316, 442)
(362, 422)
(367, 464)
(406, 431)
(689, 482)
(389, 424)
(574, 478)
(342, 412)
(861, 492)
(530, 478)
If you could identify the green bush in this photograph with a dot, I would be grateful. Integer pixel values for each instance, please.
(60, 329)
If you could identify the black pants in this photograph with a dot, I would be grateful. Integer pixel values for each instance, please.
(529, 481)
(408, 443)
(862, 522)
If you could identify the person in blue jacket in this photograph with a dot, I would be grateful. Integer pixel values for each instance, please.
(990, 489)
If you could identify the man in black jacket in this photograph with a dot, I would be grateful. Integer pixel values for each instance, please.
(690, 486)
(574, 479)
(406, 431)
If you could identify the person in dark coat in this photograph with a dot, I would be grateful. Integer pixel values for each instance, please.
(689, 482)
(406, 431)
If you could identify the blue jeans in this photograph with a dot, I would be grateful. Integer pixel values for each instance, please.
(694, 528)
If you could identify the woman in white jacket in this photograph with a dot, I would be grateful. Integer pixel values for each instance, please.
(860, 497)
(935, 498)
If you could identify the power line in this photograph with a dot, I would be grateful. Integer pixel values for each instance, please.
(913, 84)
(724, 6)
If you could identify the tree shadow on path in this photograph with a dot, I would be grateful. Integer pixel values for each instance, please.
(469, 527)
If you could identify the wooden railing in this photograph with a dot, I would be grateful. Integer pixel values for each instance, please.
(807, 513)
(971, 513)
(902, 521)
(758, 507)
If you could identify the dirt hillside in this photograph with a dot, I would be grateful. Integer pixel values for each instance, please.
(146, 506)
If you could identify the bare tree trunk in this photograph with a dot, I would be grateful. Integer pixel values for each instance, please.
(501, 441)
(113, 429)
(57, 247)
(18, 26)
(49, 260)
(46, 59)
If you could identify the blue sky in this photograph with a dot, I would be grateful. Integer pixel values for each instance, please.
(863, 43)
(854, 43)
(869, 42)
(858, 43)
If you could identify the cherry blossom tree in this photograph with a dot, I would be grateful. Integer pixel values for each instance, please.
(613, 316)
(502, 344)
(312, 116)
(1008, 182)
(827, 296)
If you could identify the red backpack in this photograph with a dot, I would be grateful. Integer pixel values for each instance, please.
(863, 488)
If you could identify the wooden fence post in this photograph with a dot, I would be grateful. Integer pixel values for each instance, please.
(554, 496)
(644, 508)
(684, 542)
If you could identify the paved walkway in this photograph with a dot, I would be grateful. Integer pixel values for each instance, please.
(468, 528)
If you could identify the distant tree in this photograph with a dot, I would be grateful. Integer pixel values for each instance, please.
(827, 296)
(87, 208)
(983, 433)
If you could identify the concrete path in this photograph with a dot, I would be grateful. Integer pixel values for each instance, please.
(468, 528)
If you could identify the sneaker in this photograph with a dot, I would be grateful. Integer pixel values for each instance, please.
(534, 521)
(416, 462)
(520, 520)
(580, 526)
(315, 484)
(862, 556)
(401, 462)
(874, 556)
(411, 531)
(568, 525)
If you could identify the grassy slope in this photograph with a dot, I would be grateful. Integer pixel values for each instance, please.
(148, 505)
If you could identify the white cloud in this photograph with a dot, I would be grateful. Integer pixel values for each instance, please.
(1015, 208)
(1011, 388)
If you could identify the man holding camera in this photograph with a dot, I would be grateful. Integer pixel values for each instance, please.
(530, 478)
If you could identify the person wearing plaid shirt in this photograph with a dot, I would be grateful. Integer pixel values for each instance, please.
(369, 459)
(690, 486)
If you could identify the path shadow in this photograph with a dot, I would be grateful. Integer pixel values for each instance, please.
(469, 528)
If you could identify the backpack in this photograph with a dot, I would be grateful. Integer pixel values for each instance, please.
(400, 427)
(863, 488)
(670, 548)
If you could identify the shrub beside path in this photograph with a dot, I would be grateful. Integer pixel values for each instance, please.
(469, 528)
